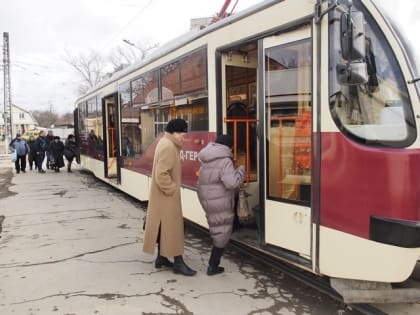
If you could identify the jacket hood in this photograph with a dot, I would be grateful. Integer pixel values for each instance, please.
(214, 151)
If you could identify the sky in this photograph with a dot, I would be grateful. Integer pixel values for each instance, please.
(42, 32)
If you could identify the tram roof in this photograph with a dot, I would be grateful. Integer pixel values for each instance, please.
(180, 41)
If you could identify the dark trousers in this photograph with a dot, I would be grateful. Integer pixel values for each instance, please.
(216, 254)
(31, 160)
(69, 161)
(49, 160)
(40, 156)
(20, 163)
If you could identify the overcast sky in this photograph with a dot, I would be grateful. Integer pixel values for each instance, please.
(41, 31)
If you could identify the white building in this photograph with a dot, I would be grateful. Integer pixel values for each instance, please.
(22, 120)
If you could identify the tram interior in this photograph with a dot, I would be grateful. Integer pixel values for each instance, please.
(288, 112)
(241, 122)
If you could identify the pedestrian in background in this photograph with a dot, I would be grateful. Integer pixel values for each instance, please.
(71, 151)
(40, 149)
(56, 151)
(19, 147)
(32, 152)
(217, 185)
(165, 223)
(49, 138)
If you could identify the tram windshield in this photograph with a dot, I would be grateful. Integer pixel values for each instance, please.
(376, 110)
(404, 18)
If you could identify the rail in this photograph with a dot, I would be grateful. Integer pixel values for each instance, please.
(247, 122)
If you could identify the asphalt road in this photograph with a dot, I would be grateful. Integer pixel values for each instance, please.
(71, 245)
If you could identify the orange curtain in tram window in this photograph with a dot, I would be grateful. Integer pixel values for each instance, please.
(303, 142)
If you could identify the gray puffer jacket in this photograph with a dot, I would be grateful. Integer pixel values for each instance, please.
(217, 183)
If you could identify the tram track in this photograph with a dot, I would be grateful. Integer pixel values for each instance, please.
(318, 283)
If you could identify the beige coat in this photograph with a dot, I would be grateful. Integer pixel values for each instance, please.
(164, 206)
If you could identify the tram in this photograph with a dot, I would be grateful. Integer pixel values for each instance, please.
(322, 99)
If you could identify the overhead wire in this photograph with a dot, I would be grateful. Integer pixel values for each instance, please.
(129, 22)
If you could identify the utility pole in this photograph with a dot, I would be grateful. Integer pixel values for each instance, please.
(8, 126)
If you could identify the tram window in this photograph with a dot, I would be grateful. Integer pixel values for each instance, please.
(99, 125)
(170, 80)
(125, 94)
(82, 127)
(82, 115)
(130, 125)
(94, 122)
(199, 116)
(288, 97)
(151, 92)
(153, 123)
(195, 114)
(379, 111)
(91, 107)
(194, 72)
(137, 91)
(147, 127)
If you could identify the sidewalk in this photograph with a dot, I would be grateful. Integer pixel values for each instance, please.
(72, 245)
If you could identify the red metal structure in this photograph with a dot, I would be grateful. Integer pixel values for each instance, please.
(223, 11)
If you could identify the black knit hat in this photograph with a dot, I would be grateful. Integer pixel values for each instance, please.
(225, 140)
(177, 125)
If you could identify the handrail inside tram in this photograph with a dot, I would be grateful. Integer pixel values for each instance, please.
(235, 122)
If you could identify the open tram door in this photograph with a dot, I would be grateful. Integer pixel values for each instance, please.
(286, 118)
(239, 85)
(111, 161)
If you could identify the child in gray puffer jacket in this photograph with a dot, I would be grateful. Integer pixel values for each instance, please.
(217, 183)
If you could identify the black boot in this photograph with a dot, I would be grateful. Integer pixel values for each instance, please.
(163, 261)
(214, 261)
(181, 267)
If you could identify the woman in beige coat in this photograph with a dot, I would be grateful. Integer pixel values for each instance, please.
(164, 223)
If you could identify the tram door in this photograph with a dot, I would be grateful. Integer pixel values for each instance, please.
(287, 77)
(111, 137)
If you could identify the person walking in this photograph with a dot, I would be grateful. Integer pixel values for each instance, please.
(32, 153)
(217, 184)
(40, 149)
(71, 151)
(21, 148)
(164, 221)
(49, 138)
(56, 151)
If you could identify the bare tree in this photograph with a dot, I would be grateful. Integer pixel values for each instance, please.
(123, 56)
(94, 67)
(67, 119)
(45, 118)
(91, 68)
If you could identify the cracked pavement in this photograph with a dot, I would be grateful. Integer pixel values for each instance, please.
(72, 245)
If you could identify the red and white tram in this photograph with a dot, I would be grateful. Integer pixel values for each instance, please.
(322, 98)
